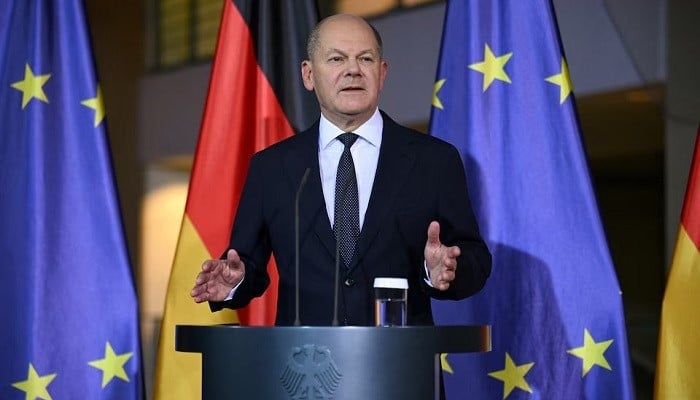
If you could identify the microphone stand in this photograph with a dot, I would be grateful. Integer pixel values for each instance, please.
(297, 321)
(337, 278)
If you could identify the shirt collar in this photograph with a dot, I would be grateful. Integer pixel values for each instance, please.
(371, 130)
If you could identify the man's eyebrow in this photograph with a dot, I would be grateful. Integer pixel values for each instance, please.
(334, 50)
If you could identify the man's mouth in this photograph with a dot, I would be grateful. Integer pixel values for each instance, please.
(352, 89)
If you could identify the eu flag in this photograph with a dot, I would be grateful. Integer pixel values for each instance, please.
(69, 310)
(503, 97)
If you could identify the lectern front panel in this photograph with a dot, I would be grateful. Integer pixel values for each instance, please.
(351, 363)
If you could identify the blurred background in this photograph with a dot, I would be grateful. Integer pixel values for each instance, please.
(633, 63)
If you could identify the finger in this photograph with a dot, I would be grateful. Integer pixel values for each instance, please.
(197, 293)
(444, 280)
(454, 251)
(434, 233)
(209, 265)
(201, 285)
(201, 278)
(450, 267)
(232, 257)
(443, 286)
(201, 298)
(450, 263)
(447, 276)
(205, 291)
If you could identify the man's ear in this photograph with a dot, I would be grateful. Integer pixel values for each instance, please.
(307, 75)
(383, 68)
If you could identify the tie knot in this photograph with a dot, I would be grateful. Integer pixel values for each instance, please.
(348, 138)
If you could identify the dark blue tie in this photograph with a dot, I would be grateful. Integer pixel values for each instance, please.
(346, 224)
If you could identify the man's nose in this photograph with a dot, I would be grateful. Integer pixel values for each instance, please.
(353, 66)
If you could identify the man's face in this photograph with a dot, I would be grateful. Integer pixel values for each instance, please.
(346, 71)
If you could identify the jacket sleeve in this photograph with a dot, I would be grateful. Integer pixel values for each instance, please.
(458, 227)
(249, 237)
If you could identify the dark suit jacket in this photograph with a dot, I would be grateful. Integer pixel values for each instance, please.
(419, 179)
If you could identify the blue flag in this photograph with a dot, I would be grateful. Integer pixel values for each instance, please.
(69, 309)
(503, 97)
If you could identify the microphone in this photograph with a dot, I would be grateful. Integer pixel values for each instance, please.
(297, 321)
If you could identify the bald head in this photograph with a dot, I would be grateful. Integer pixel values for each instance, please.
(342, 21)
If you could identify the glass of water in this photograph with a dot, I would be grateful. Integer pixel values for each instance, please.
(391, 295)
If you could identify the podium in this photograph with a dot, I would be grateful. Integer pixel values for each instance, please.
(271, 363)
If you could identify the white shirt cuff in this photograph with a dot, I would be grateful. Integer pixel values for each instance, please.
(427, 274)
(233, 291)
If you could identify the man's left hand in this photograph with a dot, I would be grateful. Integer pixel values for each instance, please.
(440, 259)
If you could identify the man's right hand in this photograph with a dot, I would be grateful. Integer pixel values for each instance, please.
(218, 277)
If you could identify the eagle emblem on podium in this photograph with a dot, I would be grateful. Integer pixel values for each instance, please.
(310, 373)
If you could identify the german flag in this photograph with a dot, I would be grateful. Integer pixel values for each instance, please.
(256, 98)
(678, 360)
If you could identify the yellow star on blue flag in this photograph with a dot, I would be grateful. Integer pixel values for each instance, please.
(112, 365)
(32, 86)
(492, 66)
(436, 88)
(592, 353)
(562, 80)
(35, 386)
(513, 376)
(96, 103)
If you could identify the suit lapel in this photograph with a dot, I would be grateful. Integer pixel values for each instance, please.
(312, 206)
(395, 160)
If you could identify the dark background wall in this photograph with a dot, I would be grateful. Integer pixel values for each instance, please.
(118, 31)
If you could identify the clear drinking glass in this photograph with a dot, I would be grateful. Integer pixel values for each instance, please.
(391, 295)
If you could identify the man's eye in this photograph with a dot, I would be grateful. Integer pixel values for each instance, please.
(336, 59)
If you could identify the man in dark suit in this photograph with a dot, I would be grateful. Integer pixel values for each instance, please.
(405, 213)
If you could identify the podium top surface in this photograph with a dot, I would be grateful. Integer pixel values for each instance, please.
(440, 339)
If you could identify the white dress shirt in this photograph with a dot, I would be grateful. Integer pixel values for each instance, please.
(365, 155)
